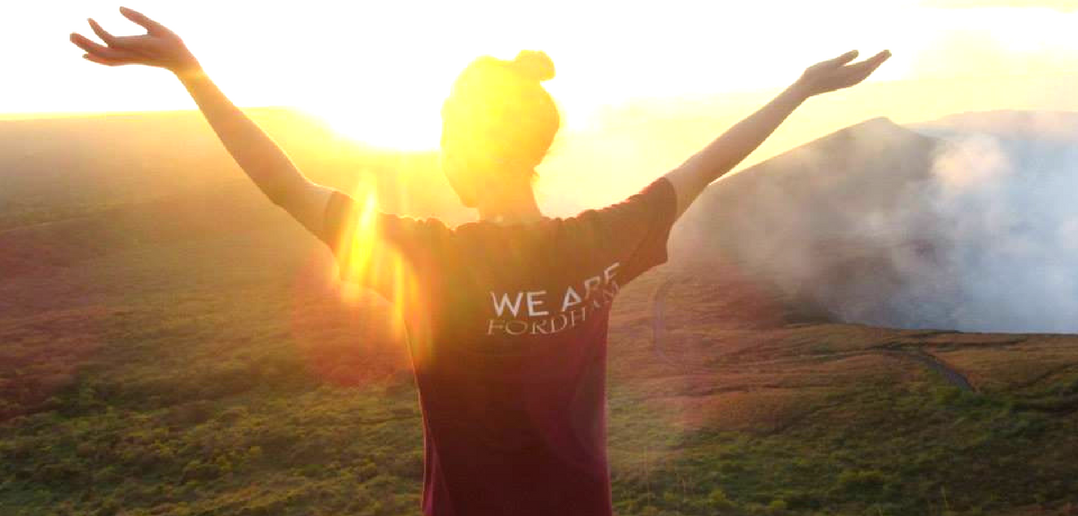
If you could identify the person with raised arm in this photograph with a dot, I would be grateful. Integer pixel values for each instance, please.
(506, 315)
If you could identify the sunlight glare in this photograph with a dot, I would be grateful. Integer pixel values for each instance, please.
(371, 262)
(394, 122)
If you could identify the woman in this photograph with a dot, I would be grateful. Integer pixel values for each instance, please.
(507, 316)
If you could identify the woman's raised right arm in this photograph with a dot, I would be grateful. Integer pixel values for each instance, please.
(255, 152)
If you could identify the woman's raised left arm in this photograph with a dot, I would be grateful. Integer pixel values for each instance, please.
(723, 154)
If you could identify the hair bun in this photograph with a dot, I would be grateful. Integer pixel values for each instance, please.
(534, 64)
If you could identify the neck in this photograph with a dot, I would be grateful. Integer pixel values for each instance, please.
(513, 204)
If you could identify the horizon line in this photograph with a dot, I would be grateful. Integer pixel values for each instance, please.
(44, 115)
(47, 115)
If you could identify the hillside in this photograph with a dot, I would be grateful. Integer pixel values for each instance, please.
(158, 357)
(58, 168)
(818, 220)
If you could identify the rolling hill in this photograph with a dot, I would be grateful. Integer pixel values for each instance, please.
(170, 343)
(59, 168)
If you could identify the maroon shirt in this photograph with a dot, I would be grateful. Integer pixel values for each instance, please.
(507, 332)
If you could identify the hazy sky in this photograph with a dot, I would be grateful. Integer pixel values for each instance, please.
(383, 67)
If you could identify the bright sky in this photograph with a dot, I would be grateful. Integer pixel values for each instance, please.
(379, 69)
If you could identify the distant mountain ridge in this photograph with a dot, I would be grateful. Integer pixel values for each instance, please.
(56, 168)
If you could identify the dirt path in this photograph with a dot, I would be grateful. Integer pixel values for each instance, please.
(934, 363)
(658, 327)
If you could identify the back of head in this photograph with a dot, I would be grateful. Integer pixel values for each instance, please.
(498, 119)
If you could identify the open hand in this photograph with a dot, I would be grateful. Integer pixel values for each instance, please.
(159, 47)
(838, 73)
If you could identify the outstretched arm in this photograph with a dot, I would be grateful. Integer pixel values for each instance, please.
(723, 154)
(254, 151)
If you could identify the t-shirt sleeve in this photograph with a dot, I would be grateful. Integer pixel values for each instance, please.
(636, 229)
(378, 249)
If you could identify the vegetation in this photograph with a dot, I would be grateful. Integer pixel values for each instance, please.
(174, 361)
(216, 391)
(923, 448)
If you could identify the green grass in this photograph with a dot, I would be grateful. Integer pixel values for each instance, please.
(214, 386)
(316, 449)
(922, 448)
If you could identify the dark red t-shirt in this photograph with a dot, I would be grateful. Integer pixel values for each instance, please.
(507, 332)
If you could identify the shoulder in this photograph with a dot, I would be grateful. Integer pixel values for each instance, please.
(655, 201)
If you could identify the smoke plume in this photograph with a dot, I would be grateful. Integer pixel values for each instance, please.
(965, 223)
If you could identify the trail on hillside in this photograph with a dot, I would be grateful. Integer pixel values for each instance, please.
(902, 352)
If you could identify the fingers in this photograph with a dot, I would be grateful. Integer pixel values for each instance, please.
(105, 36)
(879, 58)
(871, 64)
(151, 26)
(843, 59)
(104, 61)
(858, 72)
(839, 73)
(86, 44)
(131, 43)
(98, 50)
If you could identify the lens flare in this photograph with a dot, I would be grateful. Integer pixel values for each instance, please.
(372, 259)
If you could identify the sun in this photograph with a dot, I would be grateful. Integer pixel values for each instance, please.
(400, 120)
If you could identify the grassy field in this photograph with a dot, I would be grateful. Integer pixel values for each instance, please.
(171, 358)
(224, 376)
